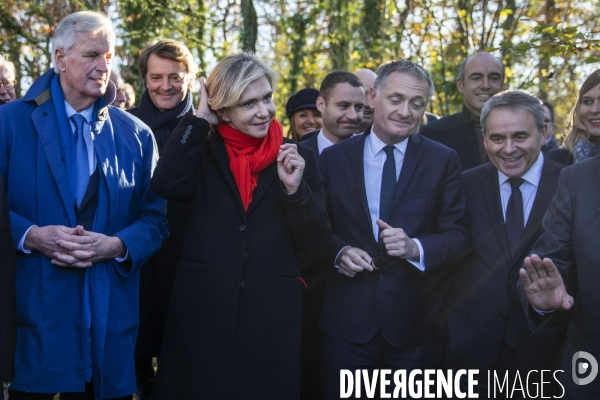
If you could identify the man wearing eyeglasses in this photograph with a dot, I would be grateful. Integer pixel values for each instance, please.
(7, 80)
(397, 208)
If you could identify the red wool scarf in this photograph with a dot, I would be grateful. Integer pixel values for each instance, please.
(248, 156)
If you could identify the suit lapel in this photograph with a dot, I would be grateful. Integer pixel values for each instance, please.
(490, 192)
(411, 158)
(543, 197)
(44, 119)
(356, 154)
(106, 154)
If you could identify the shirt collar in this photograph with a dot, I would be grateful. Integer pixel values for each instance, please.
(376, 144)
(532, 176)
(87, 113)
(323, 141)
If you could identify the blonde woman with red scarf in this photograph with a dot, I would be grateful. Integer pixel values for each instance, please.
(234, 324)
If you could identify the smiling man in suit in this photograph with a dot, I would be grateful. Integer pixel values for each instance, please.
(397, 207)
(480, 76)
(506, 200)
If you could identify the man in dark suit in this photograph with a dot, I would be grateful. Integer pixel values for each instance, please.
(398, 212)
(506, 200)
(480, 76)
(367, 77)
(8, 308)
(566, 257)
(341, 101)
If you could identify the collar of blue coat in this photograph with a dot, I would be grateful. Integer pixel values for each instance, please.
(40, 93)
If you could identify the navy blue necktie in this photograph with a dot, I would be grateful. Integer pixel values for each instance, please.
(388, 186)
(81, 158)
(515, 220)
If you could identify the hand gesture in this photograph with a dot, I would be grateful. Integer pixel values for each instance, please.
(204, 110)
(290, 167)
(353, 260)
(544, 285)
(397, 243)
(45, 239)
(79, 255)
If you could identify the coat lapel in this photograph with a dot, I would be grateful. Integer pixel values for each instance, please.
(265, 180)
(411, 158)
(44, 118)
(106, 154)
(356, 154)
(490, 192)
(217, 145)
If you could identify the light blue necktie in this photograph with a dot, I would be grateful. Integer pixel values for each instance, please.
(81, 158)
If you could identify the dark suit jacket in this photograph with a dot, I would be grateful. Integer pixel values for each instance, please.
(429, 204)
(561, 155)
(311, 141)
(570, 239)
(456, 131)
(8, 308)
(234, 323)
(483, 304)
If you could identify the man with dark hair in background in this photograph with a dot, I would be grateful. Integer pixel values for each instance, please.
(549, 119)
(480, 76)
(341, 101)
(168, 70)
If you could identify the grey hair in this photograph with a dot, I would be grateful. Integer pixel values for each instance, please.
(514, 100)
(8, 65)
(65, 35)
(403, 66)
(461, 67)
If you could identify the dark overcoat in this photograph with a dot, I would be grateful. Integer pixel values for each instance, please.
(234, 324)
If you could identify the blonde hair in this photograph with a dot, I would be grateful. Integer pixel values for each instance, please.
(232, 75)
(576, 127)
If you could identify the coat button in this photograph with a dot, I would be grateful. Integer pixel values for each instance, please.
(501, 315)
(189, 127)
(511, 283)
(242, 285)
(182, 141)
(242, 228)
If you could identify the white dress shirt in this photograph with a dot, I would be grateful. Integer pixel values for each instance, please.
(528, 188)
(323, 142)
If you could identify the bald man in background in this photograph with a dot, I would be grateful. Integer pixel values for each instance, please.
(367, 77)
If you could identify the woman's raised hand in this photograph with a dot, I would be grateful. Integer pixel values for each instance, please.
(204, 110)
(290, 167)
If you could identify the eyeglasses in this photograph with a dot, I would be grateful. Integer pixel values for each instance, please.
(7, 85)
(377, 263)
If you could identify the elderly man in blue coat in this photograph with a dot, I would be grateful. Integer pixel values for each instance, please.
(83, 218)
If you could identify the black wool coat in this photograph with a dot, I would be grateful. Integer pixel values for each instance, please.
(234, 325)
(8, 307)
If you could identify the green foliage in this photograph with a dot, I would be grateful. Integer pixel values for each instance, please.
(548, 47)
